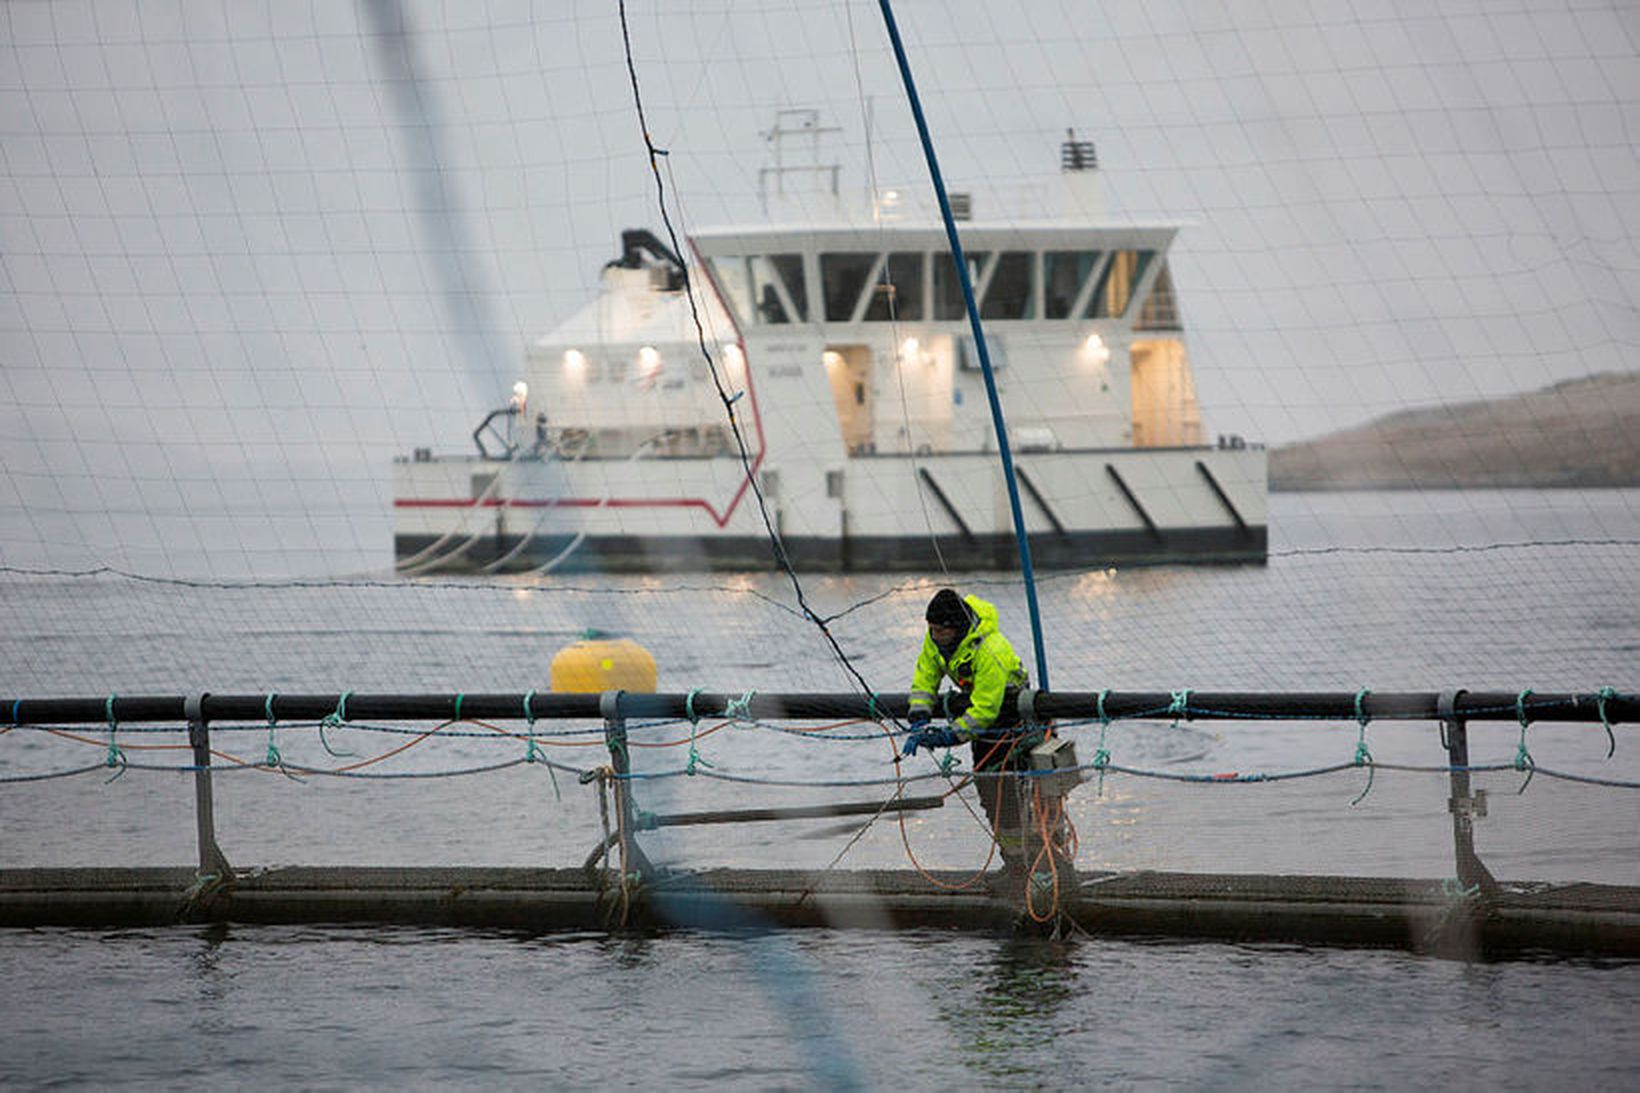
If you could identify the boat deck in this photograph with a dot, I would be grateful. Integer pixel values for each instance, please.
(1422, 915)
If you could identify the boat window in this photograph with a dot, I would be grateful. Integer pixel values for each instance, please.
(1160, 310)
(732, 276)
(1064, 272)
(948, 303)
(898, 294)
(842, 280)
(1115, 290)
(1008, 295)
(779, 288)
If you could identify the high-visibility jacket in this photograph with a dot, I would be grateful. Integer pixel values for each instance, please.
(983, 666)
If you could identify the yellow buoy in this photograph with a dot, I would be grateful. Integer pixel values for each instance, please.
(597, 665)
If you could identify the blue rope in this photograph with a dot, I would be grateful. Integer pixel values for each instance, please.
(1027, 572)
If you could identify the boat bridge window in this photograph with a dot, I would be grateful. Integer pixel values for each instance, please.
(1115, 291)
(948, 302)
(1065, 274)
(1160, 310)
(1009, 288)
(764, 289)
(843, 278)
(1004, 283)
(898, 293)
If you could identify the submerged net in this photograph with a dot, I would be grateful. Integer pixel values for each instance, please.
(251, 261)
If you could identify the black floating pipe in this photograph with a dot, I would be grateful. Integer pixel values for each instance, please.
(1224, 498)
(1583, 706)
(1150, 525)
(950, 509)
(797, 812)
(1041, 502)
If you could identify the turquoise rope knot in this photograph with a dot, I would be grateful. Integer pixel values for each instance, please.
(1181, 705)
(1101, 757)
(738, 709)
(696, 759)
(1603, 696)
(1363, 757)
(949, 762)
(274, 759)
(532, 754)
(115, 757)
(1456, 891)
(1523, 758)
(331, 720)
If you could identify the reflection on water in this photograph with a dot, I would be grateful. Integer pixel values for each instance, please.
(1015, 1015)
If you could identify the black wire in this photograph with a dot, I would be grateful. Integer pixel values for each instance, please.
(779, 549)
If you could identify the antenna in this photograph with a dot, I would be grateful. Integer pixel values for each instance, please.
(797, 123)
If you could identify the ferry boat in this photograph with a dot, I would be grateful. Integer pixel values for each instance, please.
(858, 428)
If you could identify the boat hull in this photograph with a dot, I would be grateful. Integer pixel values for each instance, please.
(1083, 510)
(866, 554)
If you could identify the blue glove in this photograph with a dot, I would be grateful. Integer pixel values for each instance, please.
(930, 739)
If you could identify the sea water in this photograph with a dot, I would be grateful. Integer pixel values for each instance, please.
(1500, 591)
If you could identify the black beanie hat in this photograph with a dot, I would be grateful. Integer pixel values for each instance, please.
(947, 609)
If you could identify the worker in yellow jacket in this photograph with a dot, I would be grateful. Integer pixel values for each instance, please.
(964, 644)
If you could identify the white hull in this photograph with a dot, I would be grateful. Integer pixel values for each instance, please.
(636, 515)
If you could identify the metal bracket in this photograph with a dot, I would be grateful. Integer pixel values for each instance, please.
(609, 705)
(1473, 806)
(1027, 707)
(212, 862)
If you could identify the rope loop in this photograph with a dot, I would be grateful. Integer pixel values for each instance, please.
(737, 709)
(331, 720)
(459, 697)
(873, 715)
(274, 759)
(695, 757)
(1523, 758)
(1603, 696)
(1181, 705)
(689, 707)
(115, 756)
(532, 754)
(1361, 717)
(945, 705)
(17, 709)
(1104, 718)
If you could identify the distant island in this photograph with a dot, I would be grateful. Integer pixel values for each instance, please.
(1580, 433)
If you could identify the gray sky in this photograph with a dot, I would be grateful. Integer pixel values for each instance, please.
(234, 285)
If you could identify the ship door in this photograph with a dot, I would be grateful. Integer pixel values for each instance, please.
(848, 368)
(1165, 414)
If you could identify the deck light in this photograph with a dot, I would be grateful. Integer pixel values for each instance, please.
(1096, 349)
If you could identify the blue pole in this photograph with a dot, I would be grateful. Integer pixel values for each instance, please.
(979, 343)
